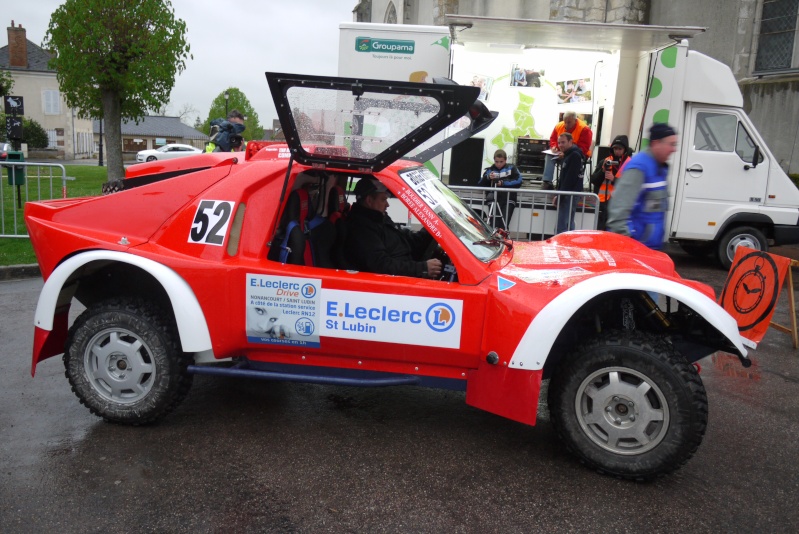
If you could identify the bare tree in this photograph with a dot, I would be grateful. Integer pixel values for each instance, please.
(186, 112)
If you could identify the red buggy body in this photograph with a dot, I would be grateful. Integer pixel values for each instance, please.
(185, 271)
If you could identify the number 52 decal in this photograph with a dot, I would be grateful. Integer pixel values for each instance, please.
(211, 222)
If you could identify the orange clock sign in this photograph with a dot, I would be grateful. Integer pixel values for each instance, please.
(752, 289)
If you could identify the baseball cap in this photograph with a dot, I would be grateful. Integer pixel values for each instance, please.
(368, 186)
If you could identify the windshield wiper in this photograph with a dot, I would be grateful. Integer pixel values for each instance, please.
(499, 237)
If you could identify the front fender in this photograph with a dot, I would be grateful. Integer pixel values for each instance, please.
(536, 343)
(192, 328)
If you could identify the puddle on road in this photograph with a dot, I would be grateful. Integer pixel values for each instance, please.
(730, 365)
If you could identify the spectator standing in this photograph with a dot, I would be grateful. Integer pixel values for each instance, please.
(605, 175)
(641, 196)
(581, 135)
(570, 180)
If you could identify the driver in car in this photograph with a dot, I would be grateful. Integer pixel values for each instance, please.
(374, 243)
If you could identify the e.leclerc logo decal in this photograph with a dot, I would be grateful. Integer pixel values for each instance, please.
(388, 318)
(308, 291)
(385, 46)
(440, 317)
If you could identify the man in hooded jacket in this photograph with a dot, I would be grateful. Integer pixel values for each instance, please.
(604, 177)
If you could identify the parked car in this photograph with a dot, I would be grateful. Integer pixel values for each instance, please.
(201, 268)
(5, 148)
(167, 152)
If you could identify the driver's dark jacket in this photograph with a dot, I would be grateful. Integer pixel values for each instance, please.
(374, 244)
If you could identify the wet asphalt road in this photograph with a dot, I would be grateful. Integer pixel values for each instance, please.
(250, 456)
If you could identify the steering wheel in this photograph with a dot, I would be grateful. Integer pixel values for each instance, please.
(434, 251)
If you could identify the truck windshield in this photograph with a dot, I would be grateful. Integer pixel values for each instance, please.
(432, 196)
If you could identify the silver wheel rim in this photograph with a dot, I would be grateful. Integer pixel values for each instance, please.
(622, 411)
(747, 240)
(119, 366)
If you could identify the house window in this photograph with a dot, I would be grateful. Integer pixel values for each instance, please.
(391, 14)
(130, 144)
(777, 46)
(51, 102)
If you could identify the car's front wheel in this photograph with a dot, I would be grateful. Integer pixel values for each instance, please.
(628, 405)
(151, 158)
(124, 362)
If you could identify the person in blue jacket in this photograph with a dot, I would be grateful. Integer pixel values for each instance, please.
(641, 198)
(502, 175)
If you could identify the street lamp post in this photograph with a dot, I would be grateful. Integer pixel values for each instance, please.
(226, 97)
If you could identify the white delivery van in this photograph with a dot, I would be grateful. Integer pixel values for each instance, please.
(726, 188)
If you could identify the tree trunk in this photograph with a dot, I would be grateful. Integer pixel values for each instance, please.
(112, 111)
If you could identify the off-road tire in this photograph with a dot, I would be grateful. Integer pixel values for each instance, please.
(675, 393)
(124, 363)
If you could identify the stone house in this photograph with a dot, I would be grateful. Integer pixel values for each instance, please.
(153, 132)
(69, 136)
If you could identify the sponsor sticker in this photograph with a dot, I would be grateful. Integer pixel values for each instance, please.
(384, 46)
(391, 318)
(283, 310)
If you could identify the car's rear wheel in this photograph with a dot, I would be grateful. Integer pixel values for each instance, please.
(124, 362)
(628, 405)
(151, 158)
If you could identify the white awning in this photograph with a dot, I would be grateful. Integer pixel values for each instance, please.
(499, 33)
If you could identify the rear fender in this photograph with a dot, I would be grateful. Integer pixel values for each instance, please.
(58, 291)
(536, 344)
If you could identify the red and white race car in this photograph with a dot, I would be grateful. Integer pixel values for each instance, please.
(231, 264)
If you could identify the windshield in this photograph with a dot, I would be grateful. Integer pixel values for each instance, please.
(364, 124)
(450, 210)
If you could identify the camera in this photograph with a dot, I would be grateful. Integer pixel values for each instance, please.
(610, 164)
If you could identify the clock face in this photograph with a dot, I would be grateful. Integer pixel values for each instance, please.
(751, 290)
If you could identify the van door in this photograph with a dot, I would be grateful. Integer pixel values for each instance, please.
(719, 179)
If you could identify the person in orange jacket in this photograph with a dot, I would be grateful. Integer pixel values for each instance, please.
(582, 137)
(604, 177)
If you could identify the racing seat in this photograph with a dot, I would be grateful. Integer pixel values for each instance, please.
(305, 234)
(289, 242)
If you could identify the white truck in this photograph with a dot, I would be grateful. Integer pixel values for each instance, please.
(726, 188)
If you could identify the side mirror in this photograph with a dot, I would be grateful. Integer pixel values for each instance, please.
(755, 159)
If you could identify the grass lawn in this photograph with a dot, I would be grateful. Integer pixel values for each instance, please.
(88, 182)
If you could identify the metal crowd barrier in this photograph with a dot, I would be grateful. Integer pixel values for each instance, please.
(21, 184)
(534, 215)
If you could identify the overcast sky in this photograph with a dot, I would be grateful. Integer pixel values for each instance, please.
(233, 43)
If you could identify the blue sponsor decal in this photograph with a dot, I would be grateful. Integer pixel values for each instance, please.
(304, 326)
(503, 283)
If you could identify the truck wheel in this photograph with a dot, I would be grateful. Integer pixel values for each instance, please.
(742, 235)
(124, 362)
(697, 249)
(628, 405)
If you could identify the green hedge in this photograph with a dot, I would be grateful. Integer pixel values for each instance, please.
(32, 132)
